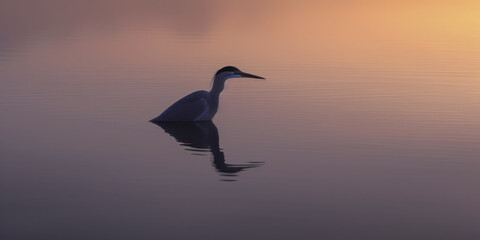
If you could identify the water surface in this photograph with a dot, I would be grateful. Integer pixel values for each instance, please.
(367, 127)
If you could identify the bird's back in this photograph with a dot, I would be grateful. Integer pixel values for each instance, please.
(193, 107)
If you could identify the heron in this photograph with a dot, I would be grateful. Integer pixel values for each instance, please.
(202, 105)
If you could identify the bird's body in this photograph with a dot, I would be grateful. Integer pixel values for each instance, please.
(201, 105)
(196, 106)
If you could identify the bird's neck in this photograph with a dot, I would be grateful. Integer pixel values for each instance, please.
(218, 86)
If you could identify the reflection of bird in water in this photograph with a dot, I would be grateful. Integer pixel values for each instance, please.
(202, 105)
(201, 137)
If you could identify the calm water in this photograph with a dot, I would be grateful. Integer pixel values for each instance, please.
(367, 127)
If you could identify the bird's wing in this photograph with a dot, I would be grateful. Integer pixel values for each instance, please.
(189, 108)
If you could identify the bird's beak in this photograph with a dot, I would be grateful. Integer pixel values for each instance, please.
(248, 75)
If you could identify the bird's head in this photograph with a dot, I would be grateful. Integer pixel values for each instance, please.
(233, 72)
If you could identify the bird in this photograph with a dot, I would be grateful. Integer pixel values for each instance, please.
(202, 105)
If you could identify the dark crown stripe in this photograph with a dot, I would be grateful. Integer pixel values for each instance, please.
(227, 69)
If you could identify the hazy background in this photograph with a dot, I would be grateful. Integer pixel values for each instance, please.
(367, 127)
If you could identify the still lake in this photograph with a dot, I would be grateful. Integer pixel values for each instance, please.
(366, 127)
